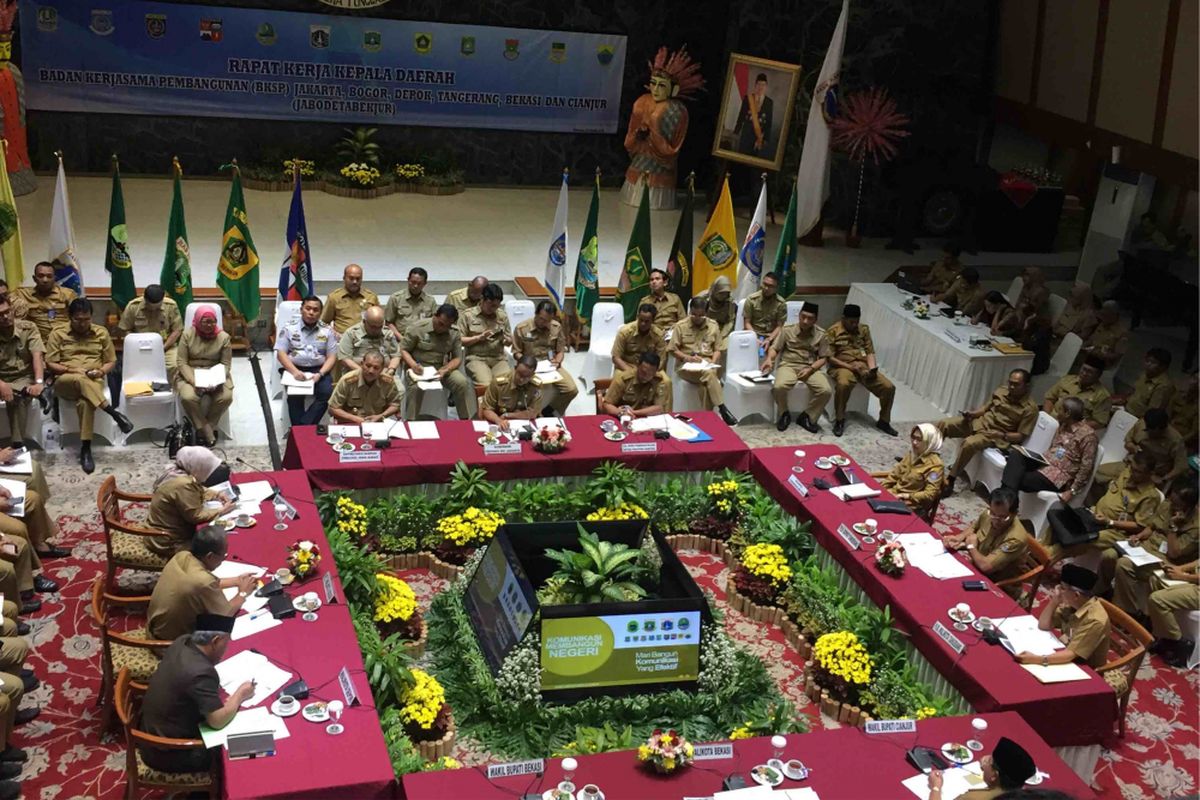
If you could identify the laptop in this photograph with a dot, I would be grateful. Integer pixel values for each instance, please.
(250, 745)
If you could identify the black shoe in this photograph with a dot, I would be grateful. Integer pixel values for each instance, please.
(804, 421)
(785, 419)
(23, 629)
(85, 458)
(948, 485)
(839, 427)
(30, 682)
(1159, 645)
(13, 755)
(123, 422)
(7, 773)
(30, 606)
(886, 428)
(44, 585)
(726, 415)
(10, 790)
(1178, 655)
(54, 551)
(26, 715)
(548, 411)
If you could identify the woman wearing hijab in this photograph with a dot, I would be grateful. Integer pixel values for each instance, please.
(917, 479)
(177, 503)
(720, 309)
(202, 346)
(999, 315)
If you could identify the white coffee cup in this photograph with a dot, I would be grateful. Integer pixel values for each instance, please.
(963, 609)
(958, 318)
(286, 703)
(310, 600)
(872, 525)
(590, 791)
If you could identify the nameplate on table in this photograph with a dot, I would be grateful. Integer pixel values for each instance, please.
(359, 456)
(892, 726)
(798, 485)
(507, 449)
(639, 447)
(534, 766)
(327, 585)
(848, 537)
(712, 752)
(949, 638)
(348, 690)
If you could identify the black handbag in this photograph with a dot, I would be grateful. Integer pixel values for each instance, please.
(181, 434)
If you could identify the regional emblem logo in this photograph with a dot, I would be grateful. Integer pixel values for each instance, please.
(828, 92)
(512, 49)
(118, 247)
(102, 22)
(558, 251)
(211, 30)
(423, 42)
(467, 47)
(266, 34)
(372, 41)
(586, 266)
(156, 25)
(318, 36)
(558, 52)
(717, 250)
(604, 54)
(635, 273)
(47, 19)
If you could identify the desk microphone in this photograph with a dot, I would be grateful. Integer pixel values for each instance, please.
(297, 688)
(277, 494)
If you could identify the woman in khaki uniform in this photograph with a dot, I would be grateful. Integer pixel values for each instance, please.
(719, 308)
(205, 345)
(917, 479)
(177, 504)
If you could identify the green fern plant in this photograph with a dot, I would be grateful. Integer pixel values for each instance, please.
(604, 572)
(469, 486)
(612, 484)
(357, 147)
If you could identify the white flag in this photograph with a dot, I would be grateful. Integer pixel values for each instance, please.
(556, 254)
(64, 256)
(750, 259)
(812, 179)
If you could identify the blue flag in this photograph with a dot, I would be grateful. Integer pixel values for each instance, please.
(296, 274)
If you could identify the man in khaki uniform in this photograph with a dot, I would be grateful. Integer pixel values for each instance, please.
(45, 303)
(17, 303)
(466, 298)
(1034, 293)
(637, 337)
(366, 395)
(1005, 770)
(1079, 317)
(695, 340)
(852, 361)
(410, 304)
(36, 526)
(485, 333)
(1110, 337)
(966, 293)
(1173, 536)
(544, 338)
(80, 355)
(943, 271)
(187, 587)
(365, 336)
(996, 542)
(154, 312)
(1007, 418)
(513, 396)
(1153, 388)
(1084, 623)
(800, 350)
(345, 306)
(1183, 410)
(13, 529)
(10, 619)
(1154, 436)
(435, 343)
(1097, 405)
(641, 392)
(667, 305)
(1164, 602)
(765, 312)
(22, 368)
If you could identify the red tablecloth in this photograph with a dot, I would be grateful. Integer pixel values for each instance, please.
(1064, 714)
(309, 763)
(846, 764)
(409, 462)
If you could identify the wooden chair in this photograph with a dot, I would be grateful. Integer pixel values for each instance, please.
(1128, 642)
(601, 387)
(125, 542)
(140, 776)
(131, 650)
(480, 391)
(1033, 567)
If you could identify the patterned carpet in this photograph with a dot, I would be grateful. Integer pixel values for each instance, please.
(69, 758)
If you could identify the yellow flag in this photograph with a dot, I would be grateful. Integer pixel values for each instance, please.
(10, 228)
(717, 254)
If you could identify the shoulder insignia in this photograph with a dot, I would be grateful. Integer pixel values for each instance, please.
(1010, 546)
(933, 476)
(501, 380)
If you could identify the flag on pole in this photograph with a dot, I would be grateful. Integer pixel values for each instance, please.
(556, 254)
(296, 274)
(785, 253)
(63, 255)
(587, 284)
(812, 179)
(635, 275)
(117, 259)
(176, 277)
(10, 228)
(750, 258)
(716, 255)
(237, 270)
(679, 266)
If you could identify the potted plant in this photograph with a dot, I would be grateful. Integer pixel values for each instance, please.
(763, 573)
(359, 176)
(428, 718)
(841, 667)
(408, 176)
(396, 613)
(599, 572)
(462, 533)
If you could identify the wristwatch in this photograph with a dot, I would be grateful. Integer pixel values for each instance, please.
(243, 595)
(1045, 661)
(39, 381)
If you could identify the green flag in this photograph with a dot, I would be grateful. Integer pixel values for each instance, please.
(237, 271)
(680, 264)
(176, 278)
(587, 285)
(117, 259)
(635, 275)
(785, 254)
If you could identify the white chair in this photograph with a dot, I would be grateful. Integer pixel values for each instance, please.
(142, 360)
(286, 311)
(1035, 505)
(1060, 365)
(1189, 622)
(104, 427)
(1056, 304)
(1014, 290)
(794, 307)
(745, 398)
(607, 318)
(190, 313)
(1113, 440)
(33, 423)
(988, 467)
(518, 310)
(685, 396)
(740, 319)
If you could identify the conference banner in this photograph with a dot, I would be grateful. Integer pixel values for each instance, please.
(620, 650)
(135, 57)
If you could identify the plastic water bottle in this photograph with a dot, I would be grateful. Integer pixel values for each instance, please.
(50, 436)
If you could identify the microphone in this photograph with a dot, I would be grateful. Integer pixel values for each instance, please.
(298, 688)
(274, 486)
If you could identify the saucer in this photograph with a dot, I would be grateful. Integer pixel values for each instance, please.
(766, 776)
(953, 614)
(824, 463)
(245, 521)
(483, 440)
(316, 712)
(861, 528)
(799, 453)
(275, 710)
(615, 436)
(795, 769)
(839, 461)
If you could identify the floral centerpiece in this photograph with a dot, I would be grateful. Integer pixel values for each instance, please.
(462, 533)
(303, 559)
(361, 175)
(842, 665)
(618, 512)
(891, 559)
(666, 751)
(551, 439)
(763, 573)
(921, 309)
(396, 608)
(423, 708)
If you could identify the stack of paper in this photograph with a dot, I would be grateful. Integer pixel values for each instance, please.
(546, 367)
(393, 429)
(209, 377)
(255, 491)
(956, 781)
(16, 491)
(251, 604)
(928, 554)
(1024, 636)
(256, 622)
(1140, 556)
(698, 366)
(250, 666)
(234, 569)
(853, 491)
(255, 720)
(944, 567)
(423, 429)
(297, 387)
(756, 376)
(21, 465)
(1057, 673)
(657, 422)
(426, 379)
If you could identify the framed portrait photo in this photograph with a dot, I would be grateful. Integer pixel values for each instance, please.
(756, 110)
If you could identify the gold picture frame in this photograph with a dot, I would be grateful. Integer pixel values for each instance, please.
(736, 137)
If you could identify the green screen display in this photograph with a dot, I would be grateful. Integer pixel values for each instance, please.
(620, 650)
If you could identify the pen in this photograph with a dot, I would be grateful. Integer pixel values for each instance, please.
(258, 613)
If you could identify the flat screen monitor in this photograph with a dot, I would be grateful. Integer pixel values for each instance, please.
(500, 601)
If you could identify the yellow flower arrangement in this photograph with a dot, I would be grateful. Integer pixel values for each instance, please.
(445, 762)
(623, 511)
(726, 498)
(423, 700)
(666, 750)
(362, 174)
(741, 732)
(473, 527)
(843, 656)
(351, 517)
(410, 172)
(307, 168)
(768, 562)
(395, 601)
(925, 712)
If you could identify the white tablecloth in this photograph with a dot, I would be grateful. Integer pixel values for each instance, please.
(921, 355)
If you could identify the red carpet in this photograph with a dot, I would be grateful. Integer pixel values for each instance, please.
(68, 758)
